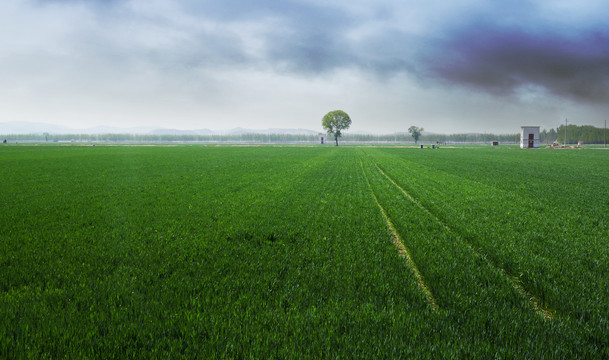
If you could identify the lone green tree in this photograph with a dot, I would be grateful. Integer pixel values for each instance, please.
(415, 132)
(336, 121)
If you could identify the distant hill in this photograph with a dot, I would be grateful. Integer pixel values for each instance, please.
(7, 128)
(22, 127)
(15, 127)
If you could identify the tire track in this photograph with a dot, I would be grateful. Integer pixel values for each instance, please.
(532, 300)
(403, 251)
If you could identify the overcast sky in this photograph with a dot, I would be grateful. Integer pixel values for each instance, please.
(447, 66)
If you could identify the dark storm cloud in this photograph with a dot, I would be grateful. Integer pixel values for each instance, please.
(500, 60)
(512, 49)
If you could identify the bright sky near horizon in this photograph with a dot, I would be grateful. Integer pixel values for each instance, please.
(448, 66)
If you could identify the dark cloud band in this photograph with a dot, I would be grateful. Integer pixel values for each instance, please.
(501, 60)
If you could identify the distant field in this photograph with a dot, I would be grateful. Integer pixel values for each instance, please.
(291, 252)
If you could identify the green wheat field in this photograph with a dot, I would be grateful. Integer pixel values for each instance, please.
(303, 252)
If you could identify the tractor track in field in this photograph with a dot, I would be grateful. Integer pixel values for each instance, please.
(403, 251)
(532, 300)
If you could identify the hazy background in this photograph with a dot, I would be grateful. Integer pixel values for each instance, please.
(458, 66)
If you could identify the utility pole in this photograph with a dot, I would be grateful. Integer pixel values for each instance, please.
(565, 132)
(605, 135)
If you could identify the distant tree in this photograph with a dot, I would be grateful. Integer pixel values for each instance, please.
(336, 121)
(543, 136)
(551, 135)
(415, 132)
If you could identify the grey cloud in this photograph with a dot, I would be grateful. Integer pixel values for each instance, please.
(203, 49)
(512, 48)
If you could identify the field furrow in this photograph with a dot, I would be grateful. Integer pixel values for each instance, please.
(403, 251)
(516, 283)
(548, 247)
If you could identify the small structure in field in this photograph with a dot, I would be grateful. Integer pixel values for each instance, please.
(495, 142)
(529, 137)
(321, 138)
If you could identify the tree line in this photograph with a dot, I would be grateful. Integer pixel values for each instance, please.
(397, 138)
(471, 138)
(256, 138)
(587, 134)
